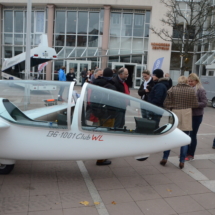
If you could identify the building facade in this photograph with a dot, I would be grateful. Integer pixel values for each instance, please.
(85, 30)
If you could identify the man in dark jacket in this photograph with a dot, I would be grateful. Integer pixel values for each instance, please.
(159, 91)
(71, 75)
(119, 81)
(121, 86)
(107, 115)
(106, 80)
(83, 76)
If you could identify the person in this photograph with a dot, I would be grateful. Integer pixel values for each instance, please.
(213, 147)
(91, 73)
(194, 81)
(106, 82)
(97, 73)
(88, 76)
(89, 116)
(180, 99)
(121, 86)
(170, 80)
(114, 73)
(61, 77)
(83, 76)
(106, 116)
(146, 86)
(158, 92)
(71, 75)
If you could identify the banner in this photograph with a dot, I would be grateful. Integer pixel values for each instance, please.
(42, 66)
(158, 64)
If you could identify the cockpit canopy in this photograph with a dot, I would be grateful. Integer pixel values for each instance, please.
(52, 104)
(36, 103)
(110, 111)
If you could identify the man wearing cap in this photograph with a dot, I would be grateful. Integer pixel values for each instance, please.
(106, 117)
(159, 91)
(106, 80)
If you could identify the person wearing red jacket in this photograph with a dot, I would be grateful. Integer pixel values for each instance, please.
(121, 86)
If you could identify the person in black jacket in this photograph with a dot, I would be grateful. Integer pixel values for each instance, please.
(71, 75)
(146, 86)
(159, 91)
(106, 115)
(121, 86)
(119, 81)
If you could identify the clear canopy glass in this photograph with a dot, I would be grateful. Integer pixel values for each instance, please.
(36, 103)
(110, 111)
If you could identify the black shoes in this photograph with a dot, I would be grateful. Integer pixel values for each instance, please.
(103, 162)
(163, 162)
(181, 165)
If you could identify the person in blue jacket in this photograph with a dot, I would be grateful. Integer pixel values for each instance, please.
(61, 77)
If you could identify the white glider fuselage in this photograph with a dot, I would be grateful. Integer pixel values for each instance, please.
(23, 142)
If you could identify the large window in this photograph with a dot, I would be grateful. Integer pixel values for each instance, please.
(129, 31)
(14, 31)
(78, 28)
(129, 34)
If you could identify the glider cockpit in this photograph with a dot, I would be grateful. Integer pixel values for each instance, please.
(35, 103)
(110, 111)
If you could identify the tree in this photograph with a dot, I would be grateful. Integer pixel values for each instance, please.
(191, 27)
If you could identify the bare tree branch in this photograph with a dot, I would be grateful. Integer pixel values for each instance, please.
(191, 27)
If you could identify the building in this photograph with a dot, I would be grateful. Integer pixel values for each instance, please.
(86, 29)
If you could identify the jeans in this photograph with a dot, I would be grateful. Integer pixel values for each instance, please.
(183, 151)
(61, 91)
(120, 119)
(197, 120)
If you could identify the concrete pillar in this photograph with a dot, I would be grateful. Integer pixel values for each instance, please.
(1, 30)
(50, 30)
(105, 36)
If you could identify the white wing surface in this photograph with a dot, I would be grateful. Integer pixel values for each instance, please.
(36, 113)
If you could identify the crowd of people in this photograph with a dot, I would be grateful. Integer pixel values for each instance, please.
(187, 100)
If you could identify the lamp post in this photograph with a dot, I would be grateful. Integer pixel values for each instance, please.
(28, 41)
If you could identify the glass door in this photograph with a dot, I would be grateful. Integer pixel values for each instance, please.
(138, 75)
(78, 68)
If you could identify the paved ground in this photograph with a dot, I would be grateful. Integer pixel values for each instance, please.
(127, 187)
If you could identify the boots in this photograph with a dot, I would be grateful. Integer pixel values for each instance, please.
(163, 162)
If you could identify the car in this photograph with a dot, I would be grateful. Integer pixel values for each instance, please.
(36, 125)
